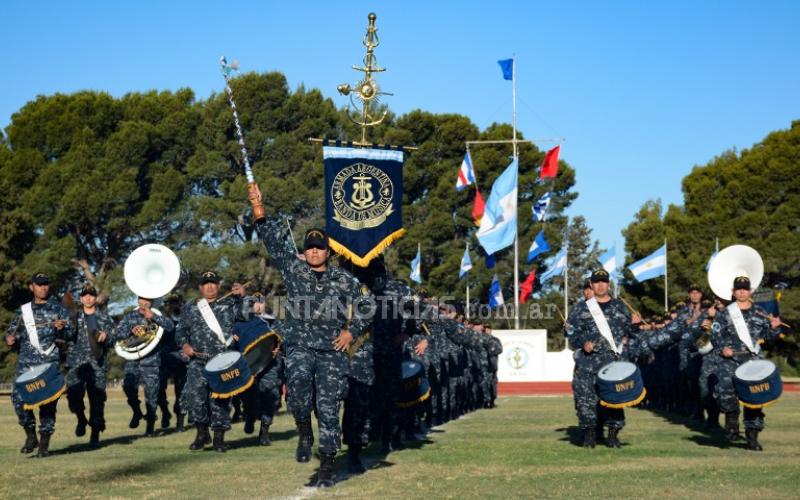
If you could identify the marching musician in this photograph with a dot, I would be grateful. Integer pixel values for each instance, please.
(88, 368)
(144, 371)
(204, 330)
(316, 341)
(173, 364)
(737, 334)
(35, 330)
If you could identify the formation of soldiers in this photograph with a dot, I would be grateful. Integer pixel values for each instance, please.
(678, 373)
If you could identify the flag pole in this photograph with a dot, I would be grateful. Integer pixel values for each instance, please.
(566, 270)
(466, 309)
(666, 283)
(516, 158)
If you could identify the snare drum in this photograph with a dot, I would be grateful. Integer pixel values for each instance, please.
(227, 374)
(757, 383)
(414, 386)
(256, 341)
(39, 385)
(619, 385)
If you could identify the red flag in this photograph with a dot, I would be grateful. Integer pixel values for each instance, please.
(526, 287)
(550, 164)
(478, 208)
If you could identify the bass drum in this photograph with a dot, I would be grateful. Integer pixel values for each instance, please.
(39, 385)
(757, 383)
(619, 385)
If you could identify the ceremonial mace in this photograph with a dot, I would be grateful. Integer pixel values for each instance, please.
(253, 192)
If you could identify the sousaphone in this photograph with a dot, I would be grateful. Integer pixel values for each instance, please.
(730, 263)
(151, 271)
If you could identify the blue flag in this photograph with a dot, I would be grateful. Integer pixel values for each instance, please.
(466, 264)
(652, 266)
(559, 264)
(540, 207)
(507, 65)
(490, 262)
(416, 268)
(495, 294)
(538, 246)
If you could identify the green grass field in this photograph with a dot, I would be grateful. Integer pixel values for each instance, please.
(522, 449)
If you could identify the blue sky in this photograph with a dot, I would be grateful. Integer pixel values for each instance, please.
(641, 91)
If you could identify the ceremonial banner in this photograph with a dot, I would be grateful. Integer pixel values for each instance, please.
(363, 200)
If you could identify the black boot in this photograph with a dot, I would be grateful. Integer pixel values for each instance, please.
(752, 440)
(150, 430)
(166, 416)
(354, 465)
(731, 426)
(589, 437)
(94, 439)
(202, 438)
(612, 441)
(219, 442)
(305, 440)
(44, 445)
(80, 429)
(249, 425)
(136, 418)
(712, 421)
(30, 440)
(263, 435)
(325, 476)
(179, 423)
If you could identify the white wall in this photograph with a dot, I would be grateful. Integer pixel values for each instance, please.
(525, 358)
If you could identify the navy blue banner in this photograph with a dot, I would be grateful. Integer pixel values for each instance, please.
(363, 201)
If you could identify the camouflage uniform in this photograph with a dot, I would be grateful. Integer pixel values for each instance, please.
(29, 356)
(355, 422)
(192, 329)
(494, 347)
(581, 329)
(88, 374)
(145, 371)
(173, 364)
(723, 334)
(313, 367)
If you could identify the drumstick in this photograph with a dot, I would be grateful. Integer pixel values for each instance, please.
(425, 327)
(768, 316)
(563, 319)
(231, 292)
(632, 310)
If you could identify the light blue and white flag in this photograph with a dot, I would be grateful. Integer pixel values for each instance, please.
(652, 266)
(499, 223)
(466, 264)
(466, 175)
(495, 294)
(609, 260)
(538, 246)
(708, 264)
(557, 269)
(540, 207)
(416, 268)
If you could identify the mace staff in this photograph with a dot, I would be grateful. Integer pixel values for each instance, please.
(253, 192)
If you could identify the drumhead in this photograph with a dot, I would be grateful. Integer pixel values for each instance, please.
(223, 361)
(33, 373)
(757, 369)
(617, 371)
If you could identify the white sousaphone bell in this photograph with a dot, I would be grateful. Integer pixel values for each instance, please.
(730, 263)
(151, 271)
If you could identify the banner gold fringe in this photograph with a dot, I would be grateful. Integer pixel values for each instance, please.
(217, 395)
(52, 398)
(365, 260)
(625, 405)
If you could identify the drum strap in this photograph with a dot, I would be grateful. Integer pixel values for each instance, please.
(211, 321)
(602, 323)
(741, 328)
(30, 326)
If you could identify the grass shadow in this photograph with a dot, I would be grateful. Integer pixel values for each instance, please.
(252, 439)
(573, 434)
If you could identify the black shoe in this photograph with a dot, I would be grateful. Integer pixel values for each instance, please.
(305, 440)
(219, 442)
(30, 441)
(731, 426)
(249, 425)
(589, 437)
(202, 438)
(752, 440)
(150, 430)
(179, 423)
(325, 476)
(263, 436)
(136, 418)
(94, 439)
(44, 446)
(612, 441)
(354, 465)
(166, 416)
(80, 429)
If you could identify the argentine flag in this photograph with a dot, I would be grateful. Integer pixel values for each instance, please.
(540, 207)
(495, 294)
(711, 259)
(609, 260)
(466, 264)
(652, 266)
(416, 268)
(559, 264)
(466, 176)
(499, 223)
(538, 246)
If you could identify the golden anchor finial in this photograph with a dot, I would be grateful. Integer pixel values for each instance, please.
(366, 91)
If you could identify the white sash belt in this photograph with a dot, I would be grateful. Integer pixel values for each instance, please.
(741, 328)
(602, 323)
(211, 321)
(30, 326)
